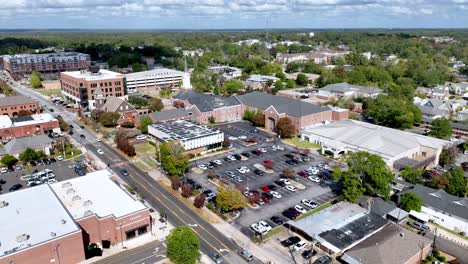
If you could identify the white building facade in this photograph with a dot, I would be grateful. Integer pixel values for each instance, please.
(154, 79)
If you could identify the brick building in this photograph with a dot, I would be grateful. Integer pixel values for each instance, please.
(27, 126)
(80, 87)
(12, 105)
(64, 218)
(20, 64)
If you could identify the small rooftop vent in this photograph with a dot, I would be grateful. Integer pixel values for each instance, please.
(70, 191)
(88, 213)
(94, 69)
(53, 234)
(402, 235)
(22, 238)
(63, 221)
(3, 204)
(76, 198)
(88, 203)
(66, 184)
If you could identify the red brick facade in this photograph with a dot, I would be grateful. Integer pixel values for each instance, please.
(97, 230)
(67, 249)
(13, 110)
(27, 130)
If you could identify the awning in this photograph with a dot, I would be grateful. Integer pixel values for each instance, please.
(419, 216)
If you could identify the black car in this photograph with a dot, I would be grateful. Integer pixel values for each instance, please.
(70, 132)
(237, 156)
(307, 254)
(82, 127)
(33, 163)
(294, 211)
(280, 183)
(289, 156)
(11, 169)
(53, 160)
(226, 159)
(2, 181)
(245, 154)
(290, 162)
(277, 220)
(213, 164)
(256, 152)
(196, 186)
(82, 136)
(268, 195)
(289, 215)
(15, 187)
(71, 126)
(290, 241)
(258, 172)
(272, 187)
(124, 172)
(46, 161)
(323, 260)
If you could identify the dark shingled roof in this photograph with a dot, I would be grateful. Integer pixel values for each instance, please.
(169, 114)
(440, 200)
(377, 205)
(285, 105)
(207, 102)
(16, 100)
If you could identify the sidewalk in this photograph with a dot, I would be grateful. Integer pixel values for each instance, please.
(449, 236)
(160, 231)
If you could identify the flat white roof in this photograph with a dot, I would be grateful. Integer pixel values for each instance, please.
(160, 72)
(32, 216)
(87, 75)
(96, 194)
(5, 121)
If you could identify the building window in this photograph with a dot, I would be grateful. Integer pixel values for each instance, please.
(423, 154)
(142, 230)
(130, 234)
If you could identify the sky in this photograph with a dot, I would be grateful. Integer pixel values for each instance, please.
(231, 14)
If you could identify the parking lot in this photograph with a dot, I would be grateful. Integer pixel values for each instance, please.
(62, 170)
(244, 129)
(319, 193)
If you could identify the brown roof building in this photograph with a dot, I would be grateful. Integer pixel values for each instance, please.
(12, 105)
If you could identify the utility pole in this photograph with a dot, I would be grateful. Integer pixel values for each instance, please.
(267, 42)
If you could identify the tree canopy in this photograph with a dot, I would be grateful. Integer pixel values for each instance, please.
(285, 128)
(173, 158)
(145, 121)
(183, 246)
(232, 86)
(35, 79)
(410, 201)
(367, 173)
(394, 112)
(441, 128)
(29, 154)
(155, 104)
(457, 184)
(9, 160)
(412, 176)
(230, 198)
(108, 119)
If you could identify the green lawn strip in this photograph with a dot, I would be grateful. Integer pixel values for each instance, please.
(449, 230)
(142, 166)
(144, 149)
(280, 228)
(150, 162)
(49, 92)
(301, 143)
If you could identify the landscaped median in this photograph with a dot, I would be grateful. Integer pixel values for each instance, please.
(297, 142)
(281, 228)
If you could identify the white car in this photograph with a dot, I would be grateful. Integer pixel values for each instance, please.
(275, 194)
(59, 158)
(309, 203)
(314, 179)
(265, 225)
(141, 137)
(300, 209)
(98, 140)
(286, 181)
(3, 170)
(238, 179)
(258, 228)
(242, 137)
(290, 188)
(231, 157)
(326, 167)
(273, 148)
(245, 169)
(60, 133)
(232, 138)
(217, 162)
(202, 166)
(230, 174)
(50, 181)
(100, 151)
(241, 170)
(299, 245)
(263, 150)
(279, 148)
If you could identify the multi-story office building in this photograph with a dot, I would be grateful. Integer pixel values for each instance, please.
(48, 62)
(153, 79)
(81, 87)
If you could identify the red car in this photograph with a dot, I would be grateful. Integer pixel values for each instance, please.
(264, 188)
(265, 199)
(302, 174)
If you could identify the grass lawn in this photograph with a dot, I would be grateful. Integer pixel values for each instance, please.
(142, 166)
(145, 149)
(150, 162)
(301, 143)
(49, 92)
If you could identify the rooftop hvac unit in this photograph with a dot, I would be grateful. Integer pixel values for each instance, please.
(70, 191)
(63, 221)
(88, 203)
(76, 198)
(53, 234)
(3, 204)
(66, 184)
(88, 213)
(21, 238)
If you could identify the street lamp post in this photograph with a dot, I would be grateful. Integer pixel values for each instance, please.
(121, 236)
(57, 251)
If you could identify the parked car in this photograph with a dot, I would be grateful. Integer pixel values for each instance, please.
(100, 151)
(289, 214)
(82, 136)
(302, 174)
(124, 172)
(280, 183)
(247, 255)
(277, 195)
(419, 226)
(290, 162)
(141, 137)
(314, 179)
(202, 167)
(323, 260)
(216, 257)
(272, 187)
(59, 158)
(299, 246)
(309, 203)
(3, 170)
(245, 154)
(15, 187)
(264, 188)
(230, 174)
(277, 220)
(237, 156)
(300, 209)
(290, 188)
(218, 162)
(258, 172)
(290, 241)
(258, 228)
(307, 254)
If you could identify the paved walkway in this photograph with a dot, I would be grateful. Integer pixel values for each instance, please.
(449, 236)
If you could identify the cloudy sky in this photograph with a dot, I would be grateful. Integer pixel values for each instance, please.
(232, 14)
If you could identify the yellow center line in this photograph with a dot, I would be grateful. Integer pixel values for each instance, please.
(180, 209)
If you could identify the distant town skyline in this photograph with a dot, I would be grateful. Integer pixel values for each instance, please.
(232, 14)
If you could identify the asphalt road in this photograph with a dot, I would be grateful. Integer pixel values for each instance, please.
(156, 195)
(152, 252)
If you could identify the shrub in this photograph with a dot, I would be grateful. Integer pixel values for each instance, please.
(175, 183)
(199, 200)
(186, 190)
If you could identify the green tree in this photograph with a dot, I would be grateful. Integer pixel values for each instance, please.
(412, 176)
(369, 170)
(173, 158)
(155, 104)
(145, 121)
(394, 112)
(410, 201)
(138, 102)
(356, 58)
(232, 86)
(108, 119)
(302, 79)
(9, 160)
(28, 154)
(279, 85)
(183, 246)
(290, 83)
(138, 67)
(447, 156)
(441, 128)
(35, 79)
(212, 119)
(285, 128)
(249, 115)
(230, 198)
(457, 182)
(350, 184)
